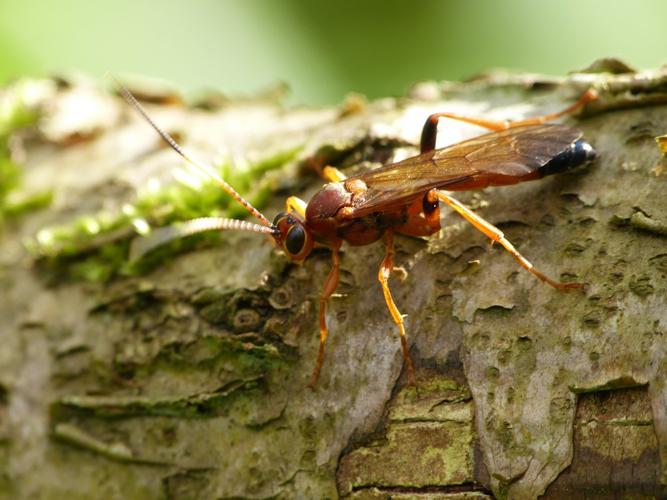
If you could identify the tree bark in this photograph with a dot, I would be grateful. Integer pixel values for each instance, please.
(189, 381)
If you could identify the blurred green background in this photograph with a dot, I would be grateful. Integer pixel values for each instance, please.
(323, 49)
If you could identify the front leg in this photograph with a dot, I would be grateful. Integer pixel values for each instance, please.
(329, 288)
(332, 174)
(295, 204)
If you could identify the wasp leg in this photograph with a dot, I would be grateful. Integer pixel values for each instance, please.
(497, 235)
(383, 275)
(330, 285)
(430, 130)
(332, 174)
(295, 204)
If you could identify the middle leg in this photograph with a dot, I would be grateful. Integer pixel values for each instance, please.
(383, 276)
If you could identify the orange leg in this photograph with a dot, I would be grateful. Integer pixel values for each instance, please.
(383, 275)
(497, 235)
(430, 130)
(332, 174)
(295, 204)
(330, 285)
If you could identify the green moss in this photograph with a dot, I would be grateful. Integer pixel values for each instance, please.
(239, 355)
(15, 113)
(246, 364)
(18, 203)
(118, 451)
(9, 176)
(97, 247)
(492, 373)
(15, 110)
(205, 404)
(445, 388)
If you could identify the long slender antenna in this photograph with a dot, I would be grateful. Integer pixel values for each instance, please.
(201, 167)
(162, 235)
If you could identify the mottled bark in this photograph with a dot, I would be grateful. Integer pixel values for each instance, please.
(190, 381)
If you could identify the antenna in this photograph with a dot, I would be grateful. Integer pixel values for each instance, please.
(201, 167)
(162, 235)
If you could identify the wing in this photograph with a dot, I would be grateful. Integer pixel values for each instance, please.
(494, 159)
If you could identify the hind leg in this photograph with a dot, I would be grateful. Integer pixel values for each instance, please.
(496, 235)
(430, 130)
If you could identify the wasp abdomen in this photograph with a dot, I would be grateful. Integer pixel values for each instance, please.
(577, 154)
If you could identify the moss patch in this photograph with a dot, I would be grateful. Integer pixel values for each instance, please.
(97, 247)
(15, 113)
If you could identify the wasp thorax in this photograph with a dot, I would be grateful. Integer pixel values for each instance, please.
(324, 207)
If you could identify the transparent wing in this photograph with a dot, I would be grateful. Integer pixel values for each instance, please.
(493, 159)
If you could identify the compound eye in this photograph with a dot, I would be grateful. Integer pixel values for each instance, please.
(295, 239)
